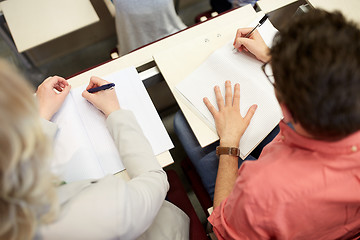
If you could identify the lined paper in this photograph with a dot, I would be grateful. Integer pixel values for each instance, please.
(94, 123)
(74, 158)
(133, 96)
(84, 147)
(238, 67)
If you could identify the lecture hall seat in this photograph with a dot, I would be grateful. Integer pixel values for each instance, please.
(178, 196)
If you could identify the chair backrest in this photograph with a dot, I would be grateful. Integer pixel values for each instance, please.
(178, 196)
(197, 185)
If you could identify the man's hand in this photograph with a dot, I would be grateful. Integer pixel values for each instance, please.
(254, 44)
(49, 100)
(230, 125)
(105, 100)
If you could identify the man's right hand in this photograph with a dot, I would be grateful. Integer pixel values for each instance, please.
(254, 44)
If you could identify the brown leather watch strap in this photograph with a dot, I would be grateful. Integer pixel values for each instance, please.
(232, 151)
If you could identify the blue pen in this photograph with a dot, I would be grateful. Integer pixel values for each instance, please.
(103, 87)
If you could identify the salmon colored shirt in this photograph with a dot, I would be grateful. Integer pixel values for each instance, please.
(299, 188)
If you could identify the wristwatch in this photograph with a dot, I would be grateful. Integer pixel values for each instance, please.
(232, 151)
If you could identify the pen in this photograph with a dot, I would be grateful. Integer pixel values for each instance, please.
(262, 20)
(103, 87)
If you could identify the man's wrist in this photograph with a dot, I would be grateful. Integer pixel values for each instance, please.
(264, 55)
(229, 143)
(265, 58)
(229, 151)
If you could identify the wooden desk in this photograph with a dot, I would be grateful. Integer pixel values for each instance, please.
(349, 8)
(34, 22)
(192, 53)
(226, 23)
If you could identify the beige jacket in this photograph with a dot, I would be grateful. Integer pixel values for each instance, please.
(112, 208)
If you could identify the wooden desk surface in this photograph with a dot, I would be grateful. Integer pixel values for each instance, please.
(177, 62)
(33, 22)
(234, 19)
(349, 8)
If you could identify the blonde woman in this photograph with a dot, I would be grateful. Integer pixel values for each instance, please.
(34, 206)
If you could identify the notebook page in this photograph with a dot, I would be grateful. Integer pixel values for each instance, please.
(101, 142)
(74, 158)
(133, 96)
(225, 64)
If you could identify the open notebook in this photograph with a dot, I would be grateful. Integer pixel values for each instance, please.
(226, 64)
(84, 147)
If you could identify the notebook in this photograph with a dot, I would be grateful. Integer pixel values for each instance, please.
(238, 67)
(84, 148)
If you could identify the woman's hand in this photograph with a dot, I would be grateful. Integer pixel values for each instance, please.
(230, 125)
(49, 100)
(105, 100)
(254, 44)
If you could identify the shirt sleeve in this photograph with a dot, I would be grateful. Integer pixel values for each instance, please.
(240, 216)
(113, 208)
(144, 194)
(134, 149)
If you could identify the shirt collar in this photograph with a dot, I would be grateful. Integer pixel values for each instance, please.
(347, 145)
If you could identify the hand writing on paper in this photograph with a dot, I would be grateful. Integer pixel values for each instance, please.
(49, 100)
(106, 100)
(254, 44)
(230, 125)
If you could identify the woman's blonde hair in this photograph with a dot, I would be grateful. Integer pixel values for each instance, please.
(27, 192)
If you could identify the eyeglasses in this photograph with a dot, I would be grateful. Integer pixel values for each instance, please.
(266, 67)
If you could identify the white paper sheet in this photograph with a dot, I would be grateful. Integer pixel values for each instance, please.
(226, 64)
(74, 157)
(84, 147)
(135, 98)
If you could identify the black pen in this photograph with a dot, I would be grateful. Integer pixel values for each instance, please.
(103, 87)
(262, 20)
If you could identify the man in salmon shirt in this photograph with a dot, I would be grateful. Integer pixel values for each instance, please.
(306, 182)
